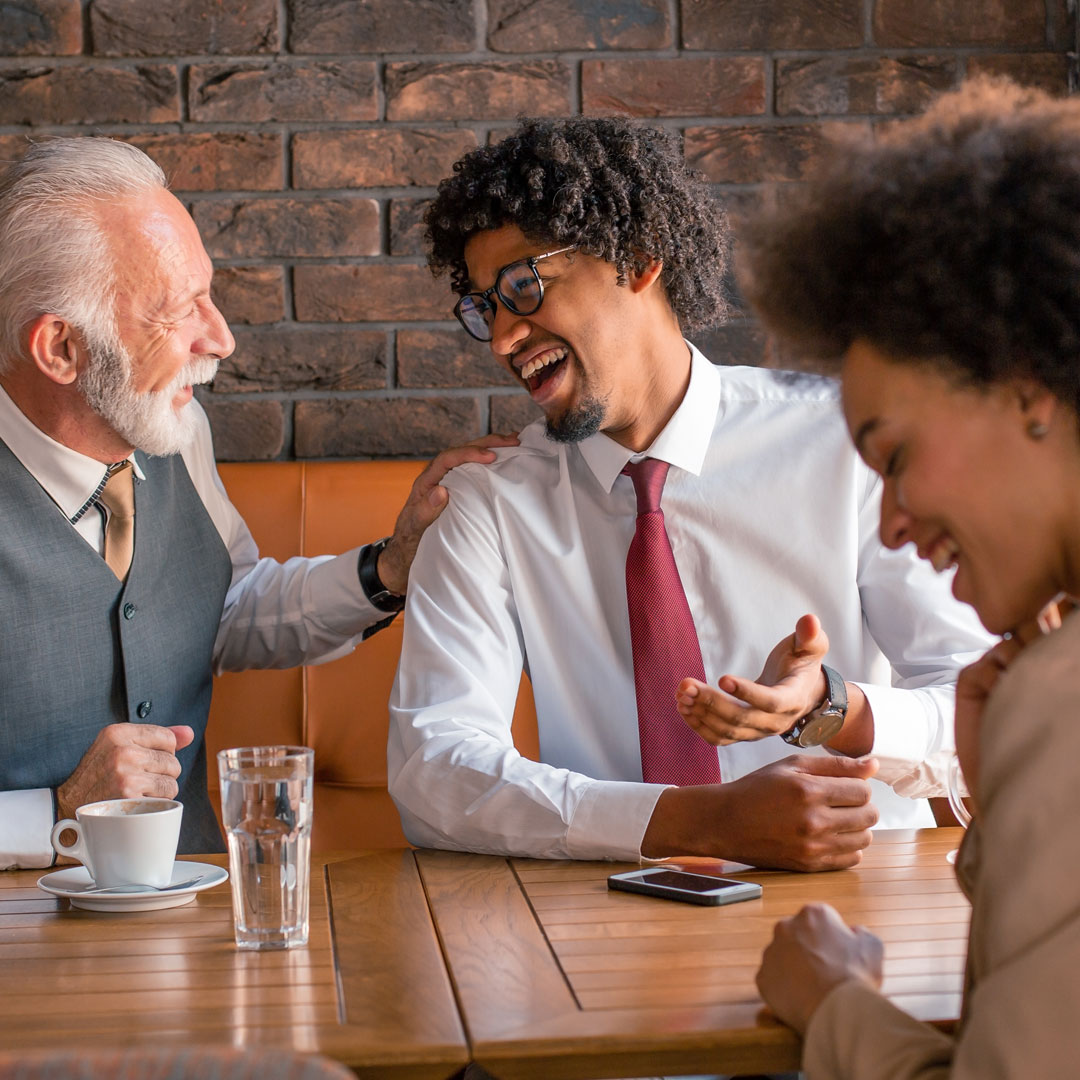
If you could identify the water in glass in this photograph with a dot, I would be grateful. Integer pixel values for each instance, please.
(266, 798)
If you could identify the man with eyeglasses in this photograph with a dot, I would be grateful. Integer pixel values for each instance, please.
(643, 548)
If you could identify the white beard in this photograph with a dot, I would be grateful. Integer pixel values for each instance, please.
(148, 420)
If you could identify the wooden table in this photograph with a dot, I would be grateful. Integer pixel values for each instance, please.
(537, 970)
(558, 977)
(370, 988)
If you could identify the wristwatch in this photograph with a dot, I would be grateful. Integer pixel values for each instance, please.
(821, 724)
(371, 583)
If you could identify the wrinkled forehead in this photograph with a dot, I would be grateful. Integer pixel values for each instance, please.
(156, 247)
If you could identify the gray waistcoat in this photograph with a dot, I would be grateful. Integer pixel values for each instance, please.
(80, 650)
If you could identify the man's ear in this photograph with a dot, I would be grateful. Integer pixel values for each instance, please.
(640, 280)
(53, 348)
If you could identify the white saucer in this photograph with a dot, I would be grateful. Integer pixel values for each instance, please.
(72, 883)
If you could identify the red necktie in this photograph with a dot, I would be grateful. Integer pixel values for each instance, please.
(664, 642)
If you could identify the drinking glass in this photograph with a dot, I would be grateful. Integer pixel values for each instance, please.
(956, 801)
(266, 805)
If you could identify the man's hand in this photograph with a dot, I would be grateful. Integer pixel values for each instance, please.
(125, 761)
(425, 503)
(790, 685)
(810, 954)
(802, 813)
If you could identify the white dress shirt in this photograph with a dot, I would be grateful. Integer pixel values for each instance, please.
(275, 614)
(771, 515)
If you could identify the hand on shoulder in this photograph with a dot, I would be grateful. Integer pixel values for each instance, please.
(426, 501)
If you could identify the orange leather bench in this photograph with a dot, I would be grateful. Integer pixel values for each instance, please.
(339, 709)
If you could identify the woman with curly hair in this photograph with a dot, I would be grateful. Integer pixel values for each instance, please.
(581, 250)
(943, 265)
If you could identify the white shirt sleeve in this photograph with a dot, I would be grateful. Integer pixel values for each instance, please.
(911, 615)
(26, 819)
(453, 771)
(277, 615)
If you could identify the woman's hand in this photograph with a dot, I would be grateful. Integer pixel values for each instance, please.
(811, 953)
(977, 682)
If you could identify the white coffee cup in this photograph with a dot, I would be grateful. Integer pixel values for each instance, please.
(124, 841)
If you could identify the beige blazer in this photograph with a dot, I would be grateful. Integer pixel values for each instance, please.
(1020, 866)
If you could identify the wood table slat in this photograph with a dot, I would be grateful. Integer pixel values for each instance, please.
(389, 962)
(497, 955)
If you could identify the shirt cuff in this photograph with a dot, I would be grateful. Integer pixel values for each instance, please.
(26, 820)
(610, 820)
(337, 596)
(912, 742)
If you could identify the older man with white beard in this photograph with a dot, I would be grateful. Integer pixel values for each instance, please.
(127, 576)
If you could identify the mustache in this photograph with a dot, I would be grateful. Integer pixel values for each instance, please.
(193, 373)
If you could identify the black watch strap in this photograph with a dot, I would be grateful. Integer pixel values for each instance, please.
(368, 569)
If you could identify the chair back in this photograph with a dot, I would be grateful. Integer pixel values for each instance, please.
(339, 708)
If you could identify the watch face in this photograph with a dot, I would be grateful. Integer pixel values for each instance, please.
(820, 728)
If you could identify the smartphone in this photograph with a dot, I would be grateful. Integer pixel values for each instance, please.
(682, 885)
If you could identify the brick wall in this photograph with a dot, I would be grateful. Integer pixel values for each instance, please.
(306, 135)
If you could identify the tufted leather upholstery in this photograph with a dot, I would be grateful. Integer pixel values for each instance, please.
(339, 709)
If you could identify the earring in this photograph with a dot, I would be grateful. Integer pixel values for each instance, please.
(1037, 430)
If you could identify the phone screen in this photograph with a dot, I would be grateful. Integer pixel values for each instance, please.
(682, 879)
(685, 886)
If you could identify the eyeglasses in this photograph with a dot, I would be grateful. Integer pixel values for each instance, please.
(518, 286)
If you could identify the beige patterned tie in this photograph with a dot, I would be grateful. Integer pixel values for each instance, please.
(118, 497)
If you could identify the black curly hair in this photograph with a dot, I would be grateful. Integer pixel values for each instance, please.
(953, 240)
(613, 189)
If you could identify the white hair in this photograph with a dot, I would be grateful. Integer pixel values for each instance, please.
(54, 256)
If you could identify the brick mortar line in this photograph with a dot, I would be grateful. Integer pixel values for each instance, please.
(379, 326)
(481, 25)
(244, 127)
(416, 393)
(669, 122)
(488, 59)
(283, 25)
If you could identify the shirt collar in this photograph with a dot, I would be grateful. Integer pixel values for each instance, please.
(683, 442)
(68, 477)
